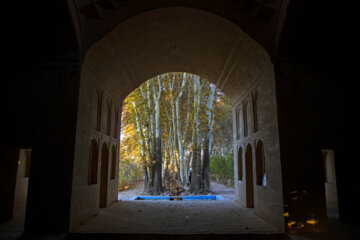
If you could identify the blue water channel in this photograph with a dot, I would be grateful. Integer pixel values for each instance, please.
(179, 198)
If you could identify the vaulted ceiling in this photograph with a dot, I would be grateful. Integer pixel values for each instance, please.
(66, 29)
(261, 19)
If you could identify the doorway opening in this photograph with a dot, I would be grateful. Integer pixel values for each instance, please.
(249, 177)
(330, 183)
(14, 175)
(176, 138)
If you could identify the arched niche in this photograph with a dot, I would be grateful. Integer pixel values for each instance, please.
(240, 164)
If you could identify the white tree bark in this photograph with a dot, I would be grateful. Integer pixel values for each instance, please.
(142, 147)
(179, 134)
(208, 140)
(157, 175)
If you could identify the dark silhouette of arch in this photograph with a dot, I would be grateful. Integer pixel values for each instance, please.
(240, 164)
(113, 163)
(260, 163)
(104, 175)
(249, 177)
(93, 162)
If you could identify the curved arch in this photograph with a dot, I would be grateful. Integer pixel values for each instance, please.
(264, 24)
(240, 163)
(104, 175)
(176, 39)
(249, 177)
(260, 163)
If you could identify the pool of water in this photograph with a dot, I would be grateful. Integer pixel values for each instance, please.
(181, 198)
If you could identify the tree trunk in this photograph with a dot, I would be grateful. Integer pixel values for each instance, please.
(206, 161)
(142, 149)
(196, 179)
(151, 135)
(179, 134)
(174, 125)
(157, 187)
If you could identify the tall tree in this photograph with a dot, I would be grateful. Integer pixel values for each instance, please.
(170, 129)
(208, 139)
(157, 187)
(196, 180)
(142, 148)
(179, 134)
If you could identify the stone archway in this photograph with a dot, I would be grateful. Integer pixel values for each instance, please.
(185, 40)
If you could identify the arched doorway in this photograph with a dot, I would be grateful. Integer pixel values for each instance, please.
(104, 175)
(249, 177)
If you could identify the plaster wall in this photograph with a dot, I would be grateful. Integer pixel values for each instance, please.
(85, 196)
(268, 201)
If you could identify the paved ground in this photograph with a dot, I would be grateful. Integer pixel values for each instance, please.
(175, 217)
(181, 219)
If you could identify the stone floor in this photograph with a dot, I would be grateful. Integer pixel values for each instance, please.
(175, 217)
(210, 220)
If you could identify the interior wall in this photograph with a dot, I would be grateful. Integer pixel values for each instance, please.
(305, 98)
(85, 196)
(268, 199)
(44, 119)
